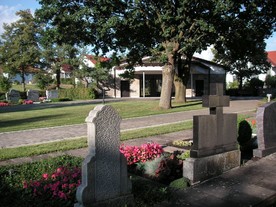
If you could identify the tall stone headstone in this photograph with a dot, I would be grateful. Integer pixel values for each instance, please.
(104, 170)
(214, 139)
(51, 94)
(13, 96)
(266, 130)
(33, 95)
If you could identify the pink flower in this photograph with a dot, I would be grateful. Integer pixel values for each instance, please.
(45, 176)
(25, 184)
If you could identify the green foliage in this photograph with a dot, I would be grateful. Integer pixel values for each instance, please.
(5, 84)
(12, 178)
(233, 85)
(147, 193)
(184, 155)
(180, 183)
(174, 28)
(19, 51)
(244, 132)
(256, 83)
(77, 93)
(182, 143)
(43, 80)
(270, 81)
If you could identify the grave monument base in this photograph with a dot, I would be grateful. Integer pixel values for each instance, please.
(263, 152)
(203, 168)
(125, 200)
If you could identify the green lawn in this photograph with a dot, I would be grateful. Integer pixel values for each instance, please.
(49, 114)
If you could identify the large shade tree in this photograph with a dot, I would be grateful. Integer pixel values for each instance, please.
(19, 51)
(175, 28)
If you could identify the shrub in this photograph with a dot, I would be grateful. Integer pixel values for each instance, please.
(61, 184)
(244, 132)
(77, 93)
(43, 80)
(5, 84)
(182, 143)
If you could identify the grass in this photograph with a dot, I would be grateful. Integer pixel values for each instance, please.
(26, 151)
(15, 118)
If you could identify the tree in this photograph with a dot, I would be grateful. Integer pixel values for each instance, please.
(43, 80)
(5, 84)
(97, 74)
(56, 56)
(19, 49)
(174, 28)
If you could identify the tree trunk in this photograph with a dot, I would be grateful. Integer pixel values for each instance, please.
(240, 83)
(167, 84)
(180, 90)
(23, 81)
(58, 77)
(181, 78)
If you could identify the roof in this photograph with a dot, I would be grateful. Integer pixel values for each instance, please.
(271, 56)
(94, 59)
(67, 68)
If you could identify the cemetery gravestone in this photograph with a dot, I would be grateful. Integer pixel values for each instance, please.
(266, 130)
(51, 94)
(214, 139)
(13, 96)
(104, 170)
(33, 95)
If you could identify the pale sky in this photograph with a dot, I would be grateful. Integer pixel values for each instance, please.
(8, 9)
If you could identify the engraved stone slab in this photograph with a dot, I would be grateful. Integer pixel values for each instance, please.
(13, 96)
(33, 95)
(266, 130)
(51, 94)
(104, 170)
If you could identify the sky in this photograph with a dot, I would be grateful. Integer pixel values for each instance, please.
(8, 9)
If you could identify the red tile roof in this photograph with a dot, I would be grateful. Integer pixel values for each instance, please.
(67, 68)
(94, 59)
(271, 55)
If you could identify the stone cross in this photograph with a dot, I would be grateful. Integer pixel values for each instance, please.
(104, 170)
(217, 132)
(214, 149)
(266, 130)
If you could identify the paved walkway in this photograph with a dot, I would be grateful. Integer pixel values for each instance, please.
(253, 184)
(44, 135)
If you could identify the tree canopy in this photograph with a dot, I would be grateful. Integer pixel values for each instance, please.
(19, 50)
(175, 29)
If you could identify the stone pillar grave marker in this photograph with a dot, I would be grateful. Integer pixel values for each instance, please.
(266, 130)
(33, 95)
(104, 170)
(214, 147)
(51, 94)
(13, 96)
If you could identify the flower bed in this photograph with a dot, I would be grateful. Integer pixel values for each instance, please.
(150, 161)
(4, 104)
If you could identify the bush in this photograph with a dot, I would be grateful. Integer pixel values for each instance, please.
(5, 84)
(43, 80)
(244, 132)
(77, 93)
(14, 178)
(270, 81)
